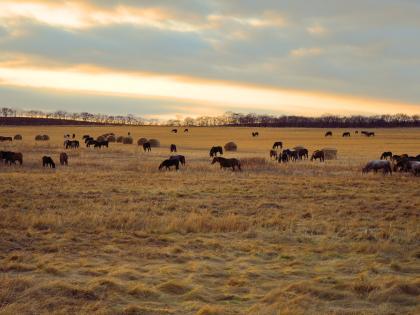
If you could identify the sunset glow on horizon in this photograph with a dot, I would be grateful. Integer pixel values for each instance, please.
(196, 58)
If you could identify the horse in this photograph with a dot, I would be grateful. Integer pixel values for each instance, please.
(368, 133)
(356, 132)
(318, 154)
(100, 144)
(396, 158)
(74, 136)
(173, 148)
(186, 130)
(346, 134)
(85, 136)
(64, 159)
(294, 155)
(216, 149)
(273, 153)
(328, 134)
(227, 163)
(180, 158)
(284, 157)
(376, 165)
(47, 161)
(73, 144)
(168, 163)
(277, 144)
(147, 147)
(91, 142)
(6, 139)
(404, 164)
(386, 155)
(174, 130)
(11, 157)
(415, 167)
(255, 134)
(303, 154)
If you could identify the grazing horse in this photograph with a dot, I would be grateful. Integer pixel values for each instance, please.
(85, 136)
(318, 154)
(415, 167)
(64, 159)
(386, 155)
(255, 134)
(180, 158)
(174, 130)
(100, 144)
(186, 130)
(328, 134)
(47, 161)
(277, 144)
(168, 163)
(346, 134)
(227, 163)
(173, 148)
(147, 147)
(11, 157)
(216, 149)
(376, 165)
(73, 144)
(368, 133)
(303, 154)
(91, 142)
(273, 154)
(6, 138)
(404, 164)
(293, 155)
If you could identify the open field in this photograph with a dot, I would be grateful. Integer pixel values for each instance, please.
(110, 234)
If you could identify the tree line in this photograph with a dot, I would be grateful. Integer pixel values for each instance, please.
(229, 119)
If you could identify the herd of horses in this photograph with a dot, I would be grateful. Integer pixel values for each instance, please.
(348, 134)
(387, 161)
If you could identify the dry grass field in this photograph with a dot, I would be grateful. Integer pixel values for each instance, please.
(110, 234)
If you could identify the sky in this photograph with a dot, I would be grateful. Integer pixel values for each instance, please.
(179, 58)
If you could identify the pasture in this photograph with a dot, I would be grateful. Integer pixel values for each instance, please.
(111, 234)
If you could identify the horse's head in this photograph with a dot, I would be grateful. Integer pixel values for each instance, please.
(161, 165)
(216, 159)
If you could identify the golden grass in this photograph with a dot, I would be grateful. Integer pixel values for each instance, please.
(110, 234)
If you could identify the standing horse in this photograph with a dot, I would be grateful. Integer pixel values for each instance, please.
(386, 155)
(186, 130)
(318, 154)
(328, 134)
(147, 147)
(273, 154)
(64, 159)
(47, 161)
(284, 157)
(277, 144)
(255, 134)
(216, 149)
(227, 163)
(303, 154)
(173, 148)
(180, 158)
(346, 134)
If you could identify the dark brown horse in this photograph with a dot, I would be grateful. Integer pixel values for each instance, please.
(216, 149)
(47, 161)
(318, 155)
(255, 134)
(328, 134)
(100, 144)
(273, 154)
(11, 157)
(386, 155)
(180, 158)
(167, 164)
(186, 130)
(277, 144)
(346, 134)
(174, 130)
(64, 159)
(173, 148)
(147, 147)
(227, 163)
(5, 139)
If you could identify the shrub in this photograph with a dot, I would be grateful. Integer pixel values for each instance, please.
(142, 141)
(120, 139)
(42, 138)
(17, 137)
(128, 140)
(154, 143)
(330, 153)
(231, 146)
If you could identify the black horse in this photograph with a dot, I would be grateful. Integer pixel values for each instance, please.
(11, 157)
(73, 144)
(227, 163)
(47, 161)
(284, 157)
(216, 149)
(64, 159)
(147, 147)
(186, 130)
(404, 164)
(168, 163)
(318, 155)
(180, 158)
(100, 144)
(255, 134)
(174, 130)
(346, 134)
(328, 134)
(277, 144)
(294, 155)
(85, 136)
(386, 155)
(303, 154)
(173, 148)
(90, 142)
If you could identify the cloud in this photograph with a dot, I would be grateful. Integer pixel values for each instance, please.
(306, 52)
